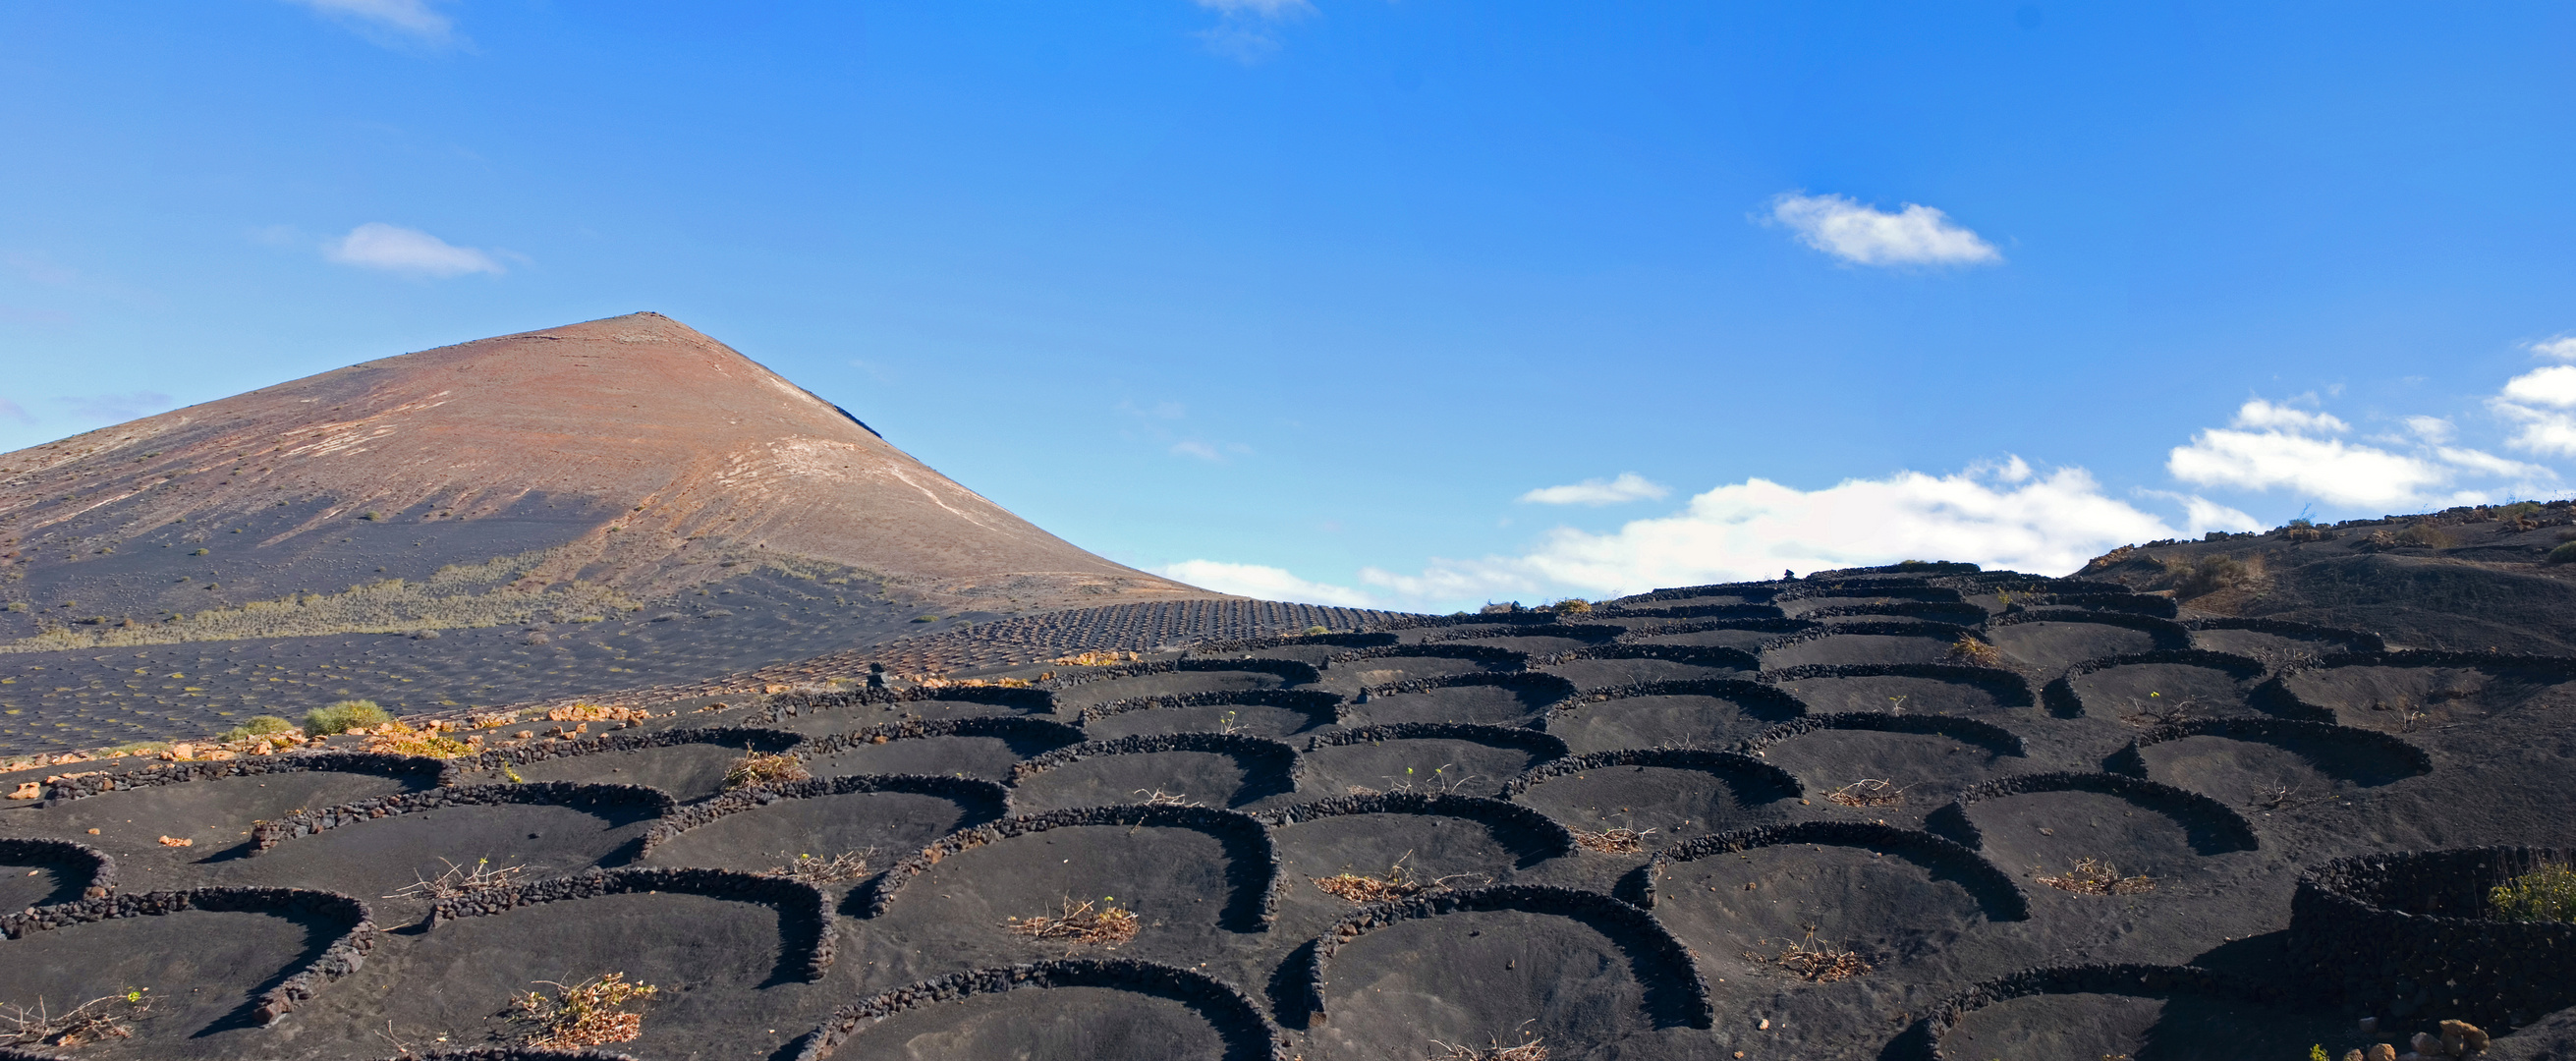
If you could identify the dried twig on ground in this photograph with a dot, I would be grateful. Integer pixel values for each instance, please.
(1821, 963)
(1079, 923)
(1618, 841)
(768, 769)
(1398, 883)
(1868, 792)
(810, 869)
(1530, 1048)
(2092, 876)
(590, 1013)
(459, 881)
(1159, 798)
(97, 1020)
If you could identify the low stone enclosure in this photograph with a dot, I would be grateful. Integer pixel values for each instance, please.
(2410, 933)
(2395, 935)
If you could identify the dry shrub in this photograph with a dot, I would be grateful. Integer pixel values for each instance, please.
(2425, 535)
(1095, 659)
(1975, 653)
(1079, 923)
(1821, 963)
(590, 1013)
(1571, 606)
(581, 713)
(1398, 883)
(394, 738)
(817, 871)
(2547, 893)
(1530, 1048)
(1868, 792)
(1159, 798)
(97, 1020)
(459, 881)
(2093, 876)
(1619, 841)
(2190, 578)
(765, 769)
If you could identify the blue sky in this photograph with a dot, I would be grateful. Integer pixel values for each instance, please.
(1414, 303)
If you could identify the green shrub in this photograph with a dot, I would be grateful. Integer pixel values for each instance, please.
(2564, 554)
(256, 726)
(340, 717)
(2425, 535)
(2544, 894)
(2519, 510)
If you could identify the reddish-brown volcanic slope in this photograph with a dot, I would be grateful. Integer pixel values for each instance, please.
(649, 454)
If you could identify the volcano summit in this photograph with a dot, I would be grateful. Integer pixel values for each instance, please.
(602, 505)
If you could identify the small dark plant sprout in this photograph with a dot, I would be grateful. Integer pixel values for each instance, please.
(2093, 876)
(2547, 893)
(590, 1013)
(97, 1020)
(1868, 792)
(1530, 1048)
(765, 769)
(1081, 923)
(344, 716)
(460, 881)
(817, 870)
(1397, 883)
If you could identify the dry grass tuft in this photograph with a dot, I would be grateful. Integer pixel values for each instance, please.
(809, 869)
(768, 769)
(1868, 792)
(2092, 876)
(590, 1013)
(460, 881)
(97, 1020)
(1975, 653)
(1618, 841)
(1081, 922)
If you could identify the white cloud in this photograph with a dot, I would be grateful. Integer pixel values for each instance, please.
(2430, 428)
(2263, 415)
(15, 411)
(2562, 347)
(1629, 486)
(2283, 451)
(413, 19)
(2334, 471)
(1266, 583)
(1846, 229)
(2005, 516)
(376, 245)
(2555, 385)
(2202, 515)
(1198, 449)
